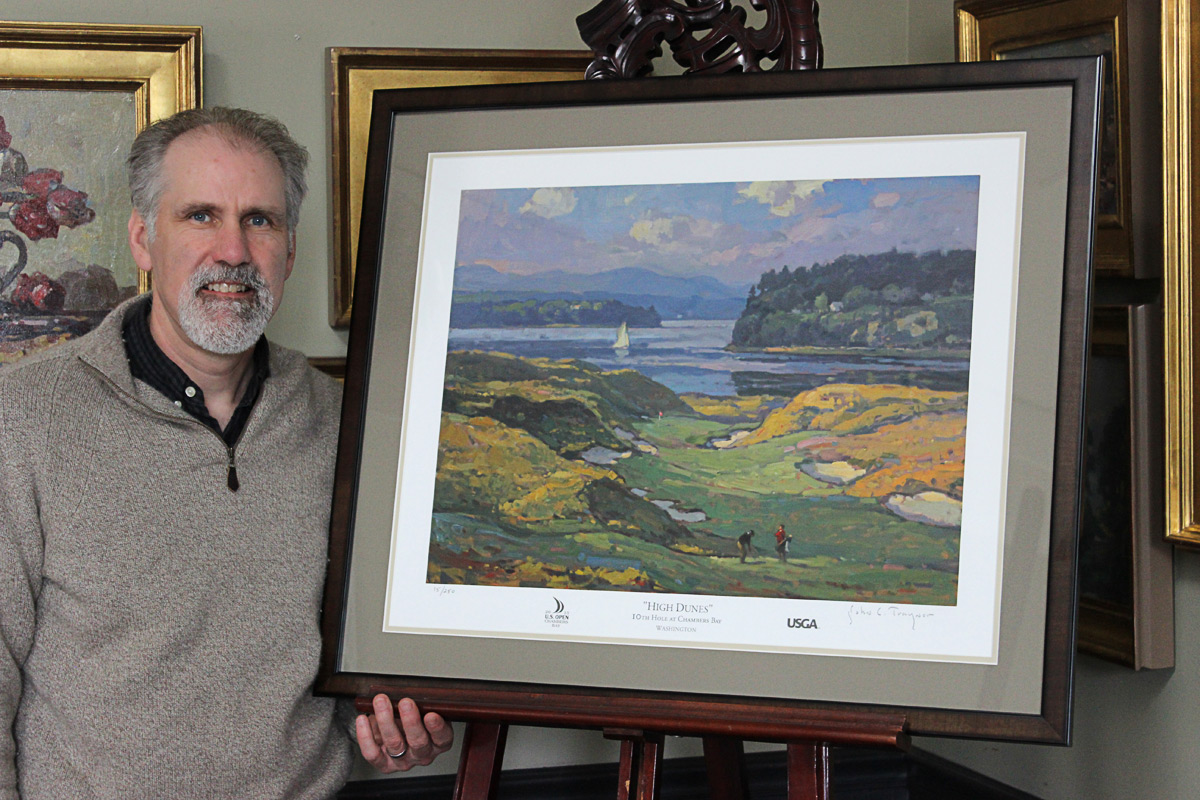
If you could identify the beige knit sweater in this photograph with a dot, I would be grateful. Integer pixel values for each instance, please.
(159, 632)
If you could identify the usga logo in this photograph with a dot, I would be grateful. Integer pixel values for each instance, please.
(799, 622)
(558, 615)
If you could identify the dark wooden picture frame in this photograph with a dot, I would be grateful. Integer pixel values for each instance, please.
(350, 628)
(1126, 576)
(1129, 189)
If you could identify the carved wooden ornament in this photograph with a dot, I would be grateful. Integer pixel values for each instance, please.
(704, 36)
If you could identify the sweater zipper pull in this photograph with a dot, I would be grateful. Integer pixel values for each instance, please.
(232, 478)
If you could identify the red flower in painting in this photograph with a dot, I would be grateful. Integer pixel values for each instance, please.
(32, 218)
(47, 205)
(69, 207)
(37, 292)
(38, 204)
(41, 181)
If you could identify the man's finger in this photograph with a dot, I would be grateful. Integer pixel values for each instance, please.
(394, 743)
(367, 744)
(440, 732)
(414, 733)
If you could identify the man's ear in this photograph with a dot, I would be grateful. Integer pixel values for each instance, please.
(139, 241)
(291, 256)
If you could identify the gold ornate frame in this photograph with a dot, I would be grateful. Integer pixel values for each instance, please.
(1180, 68)
(355, 73)
(1127, 238)
(160, 65)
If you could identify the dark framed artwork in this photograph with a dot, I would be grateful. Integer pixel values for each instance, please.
(657, 400)
(72, 98)
(1126, 32)
(1126, 580)
(355, 73)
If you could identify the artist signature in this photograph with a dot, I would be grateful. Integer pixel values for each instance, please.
(907, 615)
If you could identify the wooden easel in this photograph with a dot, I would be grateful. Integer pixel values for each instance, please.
(640, 767)
(641, 723)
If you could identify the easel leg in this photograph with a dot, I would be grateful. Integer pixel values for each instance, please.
(479, 765)
(640, 766)
(726, 774)
(808, 771)
(651, 767)
(627, 771)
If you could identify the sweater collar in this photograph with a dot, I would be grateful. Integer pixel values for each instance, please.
(103, 348)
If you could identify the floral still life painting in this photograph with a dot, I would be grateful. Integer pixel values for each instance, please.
(63, 207)
(743, 388)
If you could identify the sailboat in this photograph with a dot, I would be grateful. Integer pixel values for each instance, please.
(621, 345)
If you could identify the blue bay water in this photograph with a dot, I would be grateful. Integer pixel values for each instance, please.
(689, 356)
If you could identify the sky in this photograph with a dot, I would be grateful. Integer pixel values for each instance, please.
(729, 231)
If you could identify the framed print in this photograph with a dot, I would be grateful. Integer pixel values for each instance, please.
(657, 400)
(355, 73)
(1126, 577)
(72, 99)
(1126, 32)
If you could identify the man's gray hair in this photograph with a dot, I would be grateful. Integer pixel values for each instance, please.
(238, 126)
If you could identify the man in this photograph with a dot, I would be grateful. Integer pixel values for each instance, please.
(744, 545)
(164, 503)
(782, 539)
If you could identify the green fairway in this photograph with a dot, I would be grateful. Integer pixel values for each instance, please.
(843, 548)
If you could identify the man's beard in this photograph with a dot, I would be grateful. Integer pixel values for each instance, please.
(223, 325)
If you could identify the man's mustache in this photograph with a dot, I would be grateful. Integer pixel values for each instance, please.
(247, 275)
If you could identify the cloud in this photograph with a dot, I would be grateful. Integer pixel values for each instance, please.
(768, 248)
(885, 199)
(653, 231)
(549, 203)
(703, 229)
(786, 198)
(811, 229)
(936, 218)
(724, 258)
(673, 233)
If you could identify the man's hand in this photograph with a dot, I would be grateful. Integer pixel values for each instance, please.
(398, 747)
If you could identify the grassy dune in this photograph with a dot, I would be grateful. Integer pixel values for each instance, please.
(516, 504)
(850, 408)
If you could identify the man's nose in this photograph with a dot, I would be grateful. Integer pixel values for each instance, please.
(232, 246)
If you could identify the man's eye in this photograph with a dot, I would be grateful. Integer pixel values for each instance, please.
(259, 221)
(199, 216)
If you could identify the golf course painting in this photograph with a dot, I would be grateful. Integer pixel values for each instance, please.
(736, 388)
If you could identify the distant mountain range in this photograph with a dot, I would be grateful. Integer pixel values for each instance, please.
(700, 297)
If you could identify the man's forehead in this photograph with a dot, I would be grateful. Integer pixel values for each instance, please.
(218, 137)
(212, 141)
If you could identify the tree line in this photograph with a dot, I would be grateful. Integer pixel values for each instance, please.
(480, 311)
(893, 300)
